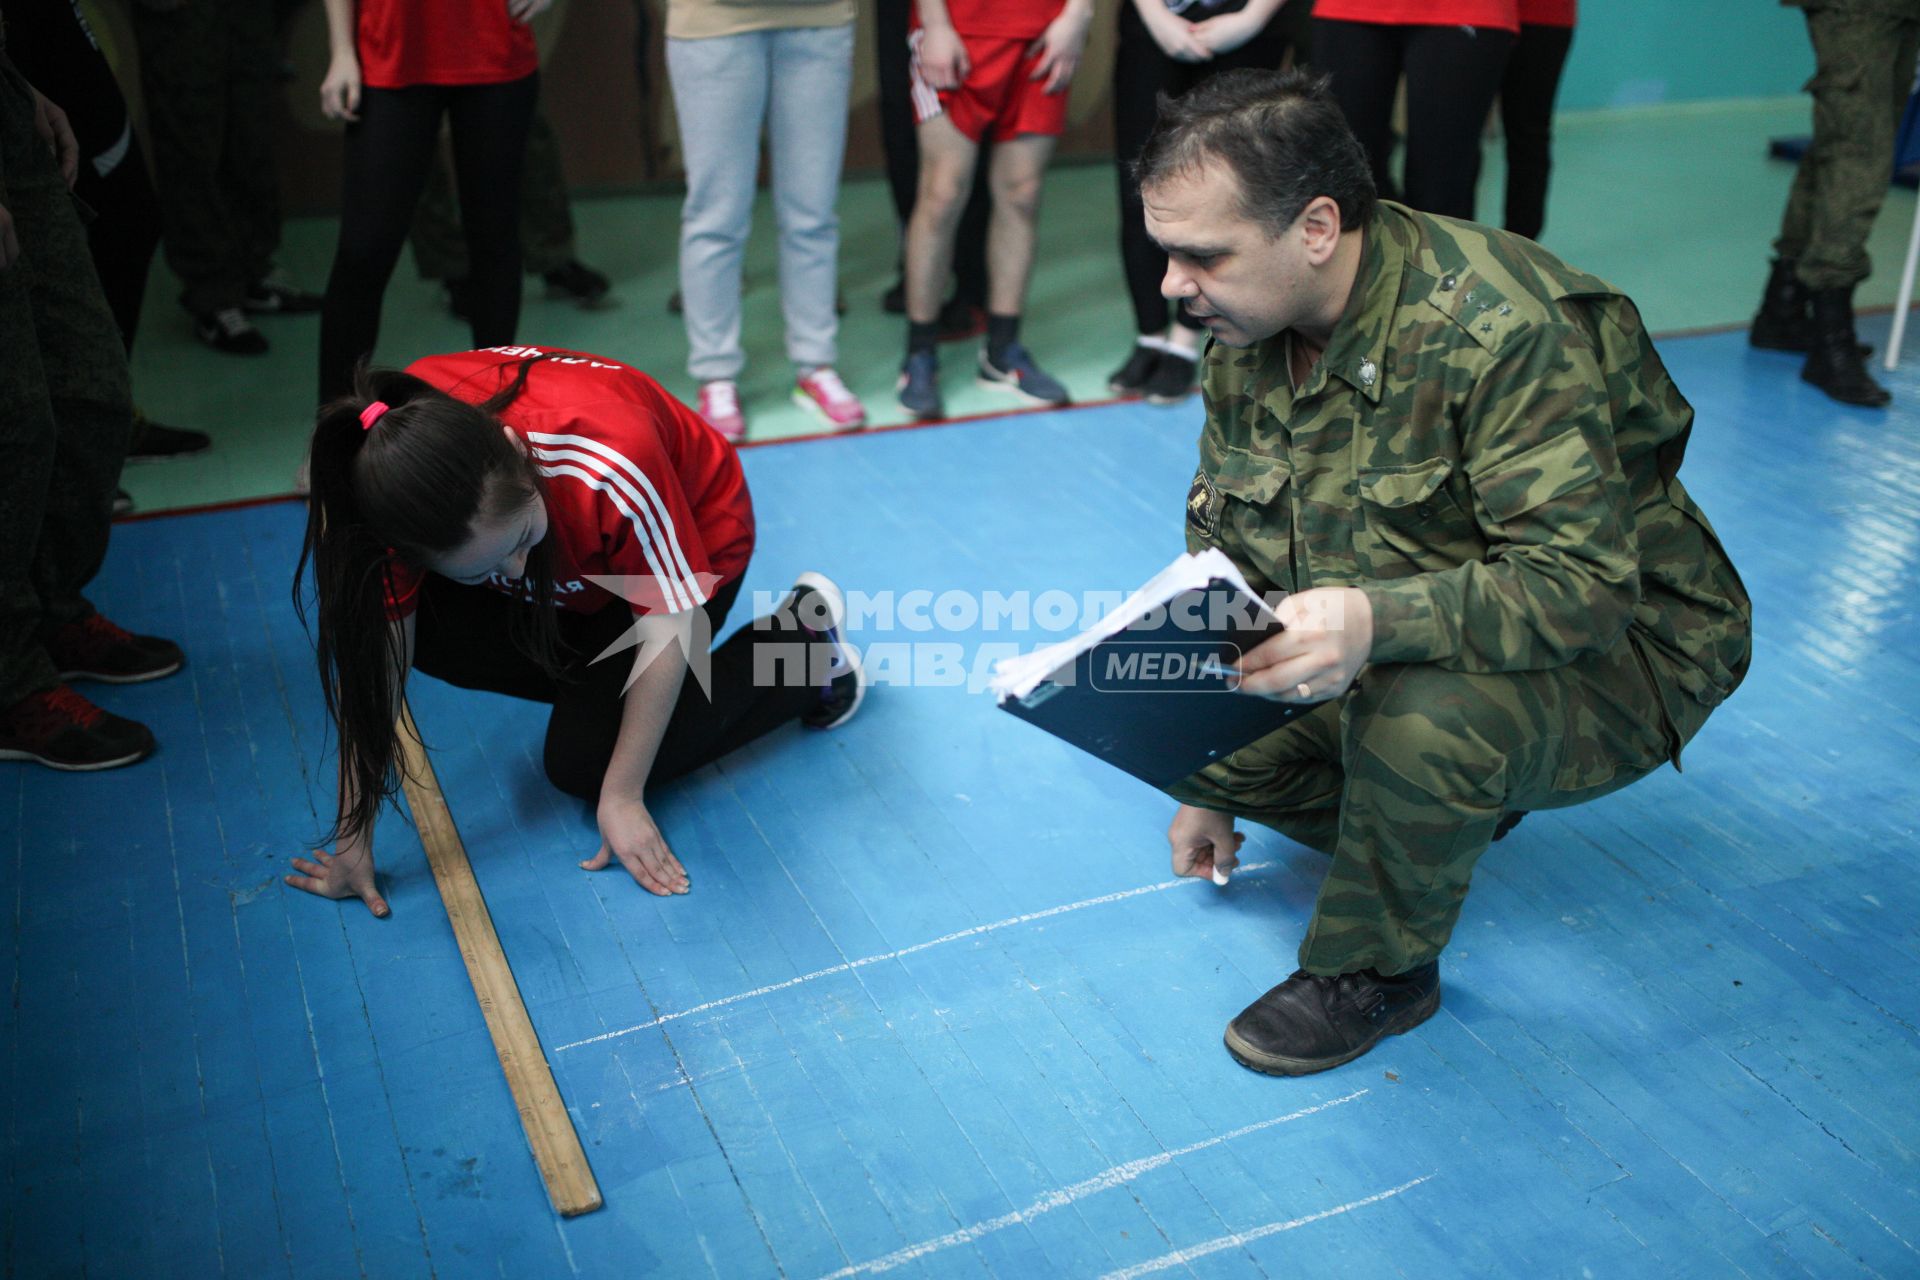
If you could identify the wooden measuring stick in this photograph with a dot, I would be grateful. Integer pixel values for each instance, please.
(556, 1147)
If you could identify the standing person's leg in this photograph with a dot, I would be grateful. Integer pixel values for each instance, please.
(438, 243)
(1453, 74)
(489, 127)
(720, 96)
(385, 163)
(1865, 69)
(124, 234)
(812, 75)
(1139, 74)
(546, 217)
(64, 421)
(1527, 94)
(947, 159)
(1017, 171)
(892, 67)
(1364, 60)
(183, 63)
(248, 173)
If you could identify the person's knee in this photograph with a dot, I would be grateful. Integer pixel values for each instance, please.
(941, 197)
(1018, 194)
(1444, 733)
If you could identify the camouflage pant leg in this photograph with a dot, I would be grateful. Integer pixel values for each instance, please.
(1428, 761)
(64, 409)
(1289, 780)
(1864, 64)
(206, 72)
(546, 219)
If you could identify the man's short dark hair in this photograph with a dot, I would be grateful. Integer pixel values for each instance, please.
(1280, 132)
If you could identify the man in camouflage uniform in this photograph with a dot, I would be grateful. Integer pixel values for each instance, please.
(1864, 53)
(1460, 455)
(64, 421)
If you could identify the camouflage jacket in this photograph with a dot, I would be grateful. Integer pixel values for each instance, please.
(1489, 447)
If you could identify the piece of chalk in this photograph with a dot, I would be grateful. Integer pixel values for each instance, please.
(1219, 876)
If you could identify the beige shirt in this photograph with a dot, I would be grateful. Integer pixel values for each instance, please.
(700, 19)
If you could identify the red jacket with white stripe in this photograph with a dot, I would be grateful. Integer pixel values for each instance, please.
(641, 493)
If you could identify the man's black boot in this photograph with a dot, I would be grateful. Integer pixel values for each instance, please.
(1781, 323)
(1310, 1023)
(1834, 363)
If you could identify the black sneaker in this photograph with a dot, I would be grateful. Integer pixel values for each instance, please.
(1017, 373)
(122, 503)
(96, 649)
(1173, 377)
(821, 609)
(277, 295)
(60, 729)
(1130, 379)
(919, 385)
(576, 282)
(1310, 1023)
(229, 330)
(153, 442)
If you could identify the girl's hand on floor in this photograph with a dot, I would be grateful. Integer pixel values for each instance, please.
(627, 832)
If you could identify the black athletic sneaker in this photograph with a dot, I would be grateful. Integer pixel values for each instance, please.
(229, 330)
(1173, 377)
(1310, 1023)
(96, 649)
(1131, 378)
(821, 609)
(60, 729)
(576, 282)
(154, 442)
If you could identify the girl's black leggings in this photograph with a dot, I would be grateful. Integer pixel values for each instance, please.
(388, 153)
(463, 635)
(1452, 76)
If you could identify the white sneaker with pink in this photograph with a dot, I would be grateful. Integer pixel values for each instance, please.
(821, 392)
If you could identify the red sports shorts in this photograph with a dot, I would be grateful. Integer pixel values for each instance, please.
(999, 95)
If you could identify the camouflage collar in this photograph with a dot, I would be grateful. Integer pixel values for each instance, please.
(1357, 351)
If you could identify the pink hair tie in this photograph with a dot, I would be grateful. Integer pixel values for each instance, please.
(372, 414)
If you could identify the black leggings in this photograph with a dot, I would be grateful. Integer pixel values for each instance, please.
(464, 636)
(1526, 117)
(1452, 76)
(385, 167)
(1141, 71)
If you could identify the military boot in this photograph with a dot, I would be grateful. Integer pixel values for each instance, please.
(1781, 323)
(1834, 363)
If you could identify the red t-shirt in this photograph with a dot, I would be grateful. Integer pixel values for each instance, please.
(1501, 15)
(1548, 13)
(409, 42)
(638, 485)
(1007, 19)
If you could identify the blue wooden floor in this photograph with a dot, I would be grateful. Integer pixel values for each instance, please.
(934, 1005)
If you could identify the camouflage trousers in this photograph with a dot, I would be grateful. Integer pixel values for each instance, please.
(1863, 70)
(546, 220)
(207, 76)
(1404, 779)
(64, 409)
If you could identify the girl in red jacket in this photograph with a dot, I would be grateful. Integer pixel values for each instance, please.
(514, 519)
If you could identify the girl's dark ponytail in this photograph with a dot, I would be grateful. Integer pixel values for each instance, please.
(406, 480)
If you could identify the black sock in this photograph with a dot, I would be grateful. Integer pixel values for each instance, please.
(922, 337)
(1002, 332)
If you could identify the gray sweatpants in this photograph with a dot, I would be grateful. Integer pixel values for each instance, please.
(796, 80)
